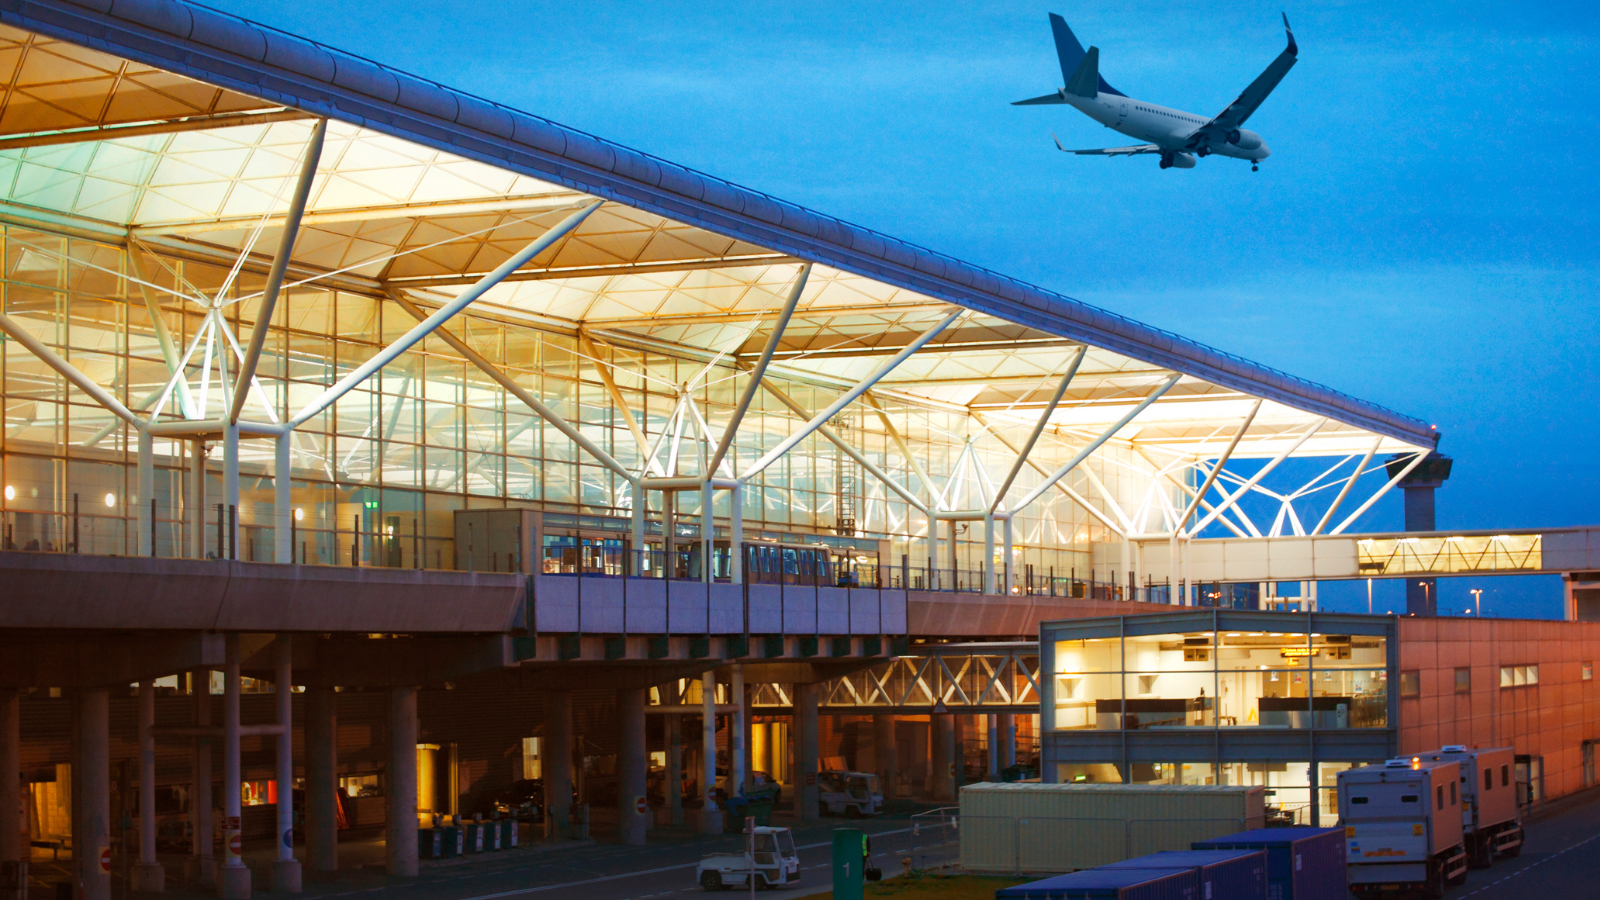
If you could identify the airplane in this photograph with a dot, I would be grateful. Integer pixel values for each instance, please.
(1177, 136)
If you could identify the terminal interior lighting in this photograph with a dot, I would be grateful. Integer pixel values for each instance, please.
(11, 492)
(111, 499)
(299, 514)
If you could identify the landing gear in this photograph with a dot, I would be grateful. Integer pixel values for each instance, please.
(1166, 160)
(1254, 167)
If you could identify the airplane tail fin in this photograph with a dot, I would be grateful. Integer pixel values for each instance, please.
(1072, 54)
(1084, 81)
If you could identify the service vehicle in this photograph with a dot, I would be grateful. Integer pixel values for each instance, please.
(852, 794)
(1489, 820)
(776, 863)
(1402, 827)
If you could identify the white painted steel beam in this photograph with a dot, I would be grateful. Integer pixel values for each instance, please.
(1233, 498)
(760, 369)
(82, 382)
(1038, 429)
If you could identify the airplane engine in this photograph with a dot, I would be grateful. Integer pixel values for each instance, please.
(1244, 139)
(1177, 160)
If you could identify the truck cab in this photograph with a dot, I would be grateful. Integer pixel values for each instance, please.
(772, 861)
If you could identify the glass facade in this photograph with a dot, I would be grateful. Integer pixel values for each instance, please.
(1222, 679)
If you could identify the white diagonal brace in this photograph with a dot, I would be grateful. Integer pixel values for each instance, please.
(67, 370)
(1094, 445)
(1421, 455)
(905, 449)
(1361, 467)
(431, 324)
(1072, 495)
(853, 453)
(1233, 498)
(849, 397)
(158, 324)
(760, 370)
(1221, 461)
(516, 390)
(610, 381)
(280, 264)
(1038, 429)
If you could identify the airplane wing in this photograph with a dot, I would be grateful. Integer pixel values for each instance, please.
(1248, 102)
(1134, 150)
(1038, 101)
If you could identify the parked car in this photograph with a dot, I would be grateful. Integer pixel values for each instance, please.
(523, 800)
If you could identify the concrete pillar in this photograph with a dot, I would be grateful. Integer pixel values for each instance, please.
(674, 737)
(993, 768)
(888, 752)
(148, 874)
(205, 860)
(401, 838)
(282, 502)
(738, 744)
(710, 815)
(10, 774)
(941, 775)
(91, 832)
(557, 763)
(285, 869)
(633, 812)
(747, 732)
(807, 810)
(322, 784)
(1008, 739)
(233, 879)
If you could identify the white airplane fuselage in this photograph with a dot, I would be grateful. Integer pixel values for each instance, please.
(1167, 128)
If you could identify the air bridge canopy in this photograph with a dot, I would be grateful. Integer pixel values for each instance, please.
(599, 329)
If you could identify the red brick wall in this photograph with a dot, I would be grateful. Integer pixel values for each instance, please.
(1551, 719)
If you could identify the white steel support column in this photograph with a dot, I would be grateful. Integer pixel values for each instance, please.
(1008, 553)
(148, 874)
(988, 555)
(710, 815)
(1126, 573)
(708, 531)
(286, 869)
(736, 534)
(736, 732)
(233, 878)
(230, 490)
(933, 552)
(669, 532)
(145, 515)
(282, 502)
(195, 502)
(641, 500)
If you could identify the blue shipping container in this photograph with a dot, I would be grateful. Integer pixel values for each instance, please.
(1302, 863)
(1111, 884)
(1224, 874)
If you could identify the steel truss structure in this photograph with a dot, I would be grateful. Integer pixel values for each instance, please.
(978, 678)
(381, 305)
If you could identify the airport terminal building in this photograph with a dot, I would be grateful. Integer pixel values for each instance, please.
(374, 443)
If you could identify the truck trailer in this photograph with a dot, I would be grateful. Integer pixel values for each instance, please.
(1489, 822)
(1402, 827)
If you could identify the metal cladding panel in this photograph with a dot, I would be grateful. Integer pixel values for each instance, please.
(833, 610)
(1111, 884)
(686, 607)
(766, 609)
(1224, 874)
(864, 603)
(600, 605)
(799, 609)
(555, 604)
(645, 600)
(727, 608)
(1302, 863)
(892, 610)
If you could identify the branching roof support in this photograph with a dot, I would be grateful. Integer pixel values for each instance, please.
(760, 370)
(1038, 429)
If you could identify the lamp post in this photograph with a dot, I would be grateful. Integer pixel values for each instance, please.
(1427, 593)
(1477, 601)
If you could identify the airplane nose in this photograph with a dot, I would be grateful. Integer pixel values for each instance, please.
(1264, 150)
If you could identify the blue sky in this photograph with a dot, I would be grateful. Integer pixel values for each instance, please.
(1422, 237)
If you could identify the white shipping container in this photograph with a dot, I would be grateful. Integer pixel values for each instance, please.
(1041, 828)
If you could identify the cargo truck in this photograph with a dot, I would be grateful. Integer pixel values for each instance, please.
(1402, 827)
(1489, 822)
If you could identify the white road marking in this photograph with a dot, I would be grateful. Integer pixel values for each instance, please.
(1531, 865)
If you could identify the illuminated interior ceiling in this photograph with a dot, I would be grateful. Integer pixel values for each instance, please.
(92, 143)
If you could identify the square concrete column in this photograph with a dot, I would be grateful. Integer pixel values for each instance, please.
(807, 810)
(710, 815)
(233, 878)
(887, 751)
(674, 776)
(993, 770)
(91, 832)
(738, 743)
(1008, 739)
(322, 784)
(205, 861)
(557, 764)
(10, 774)
(147, 875)
(400, 841)
(633, 810)
(285, 869)
(941, 776)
